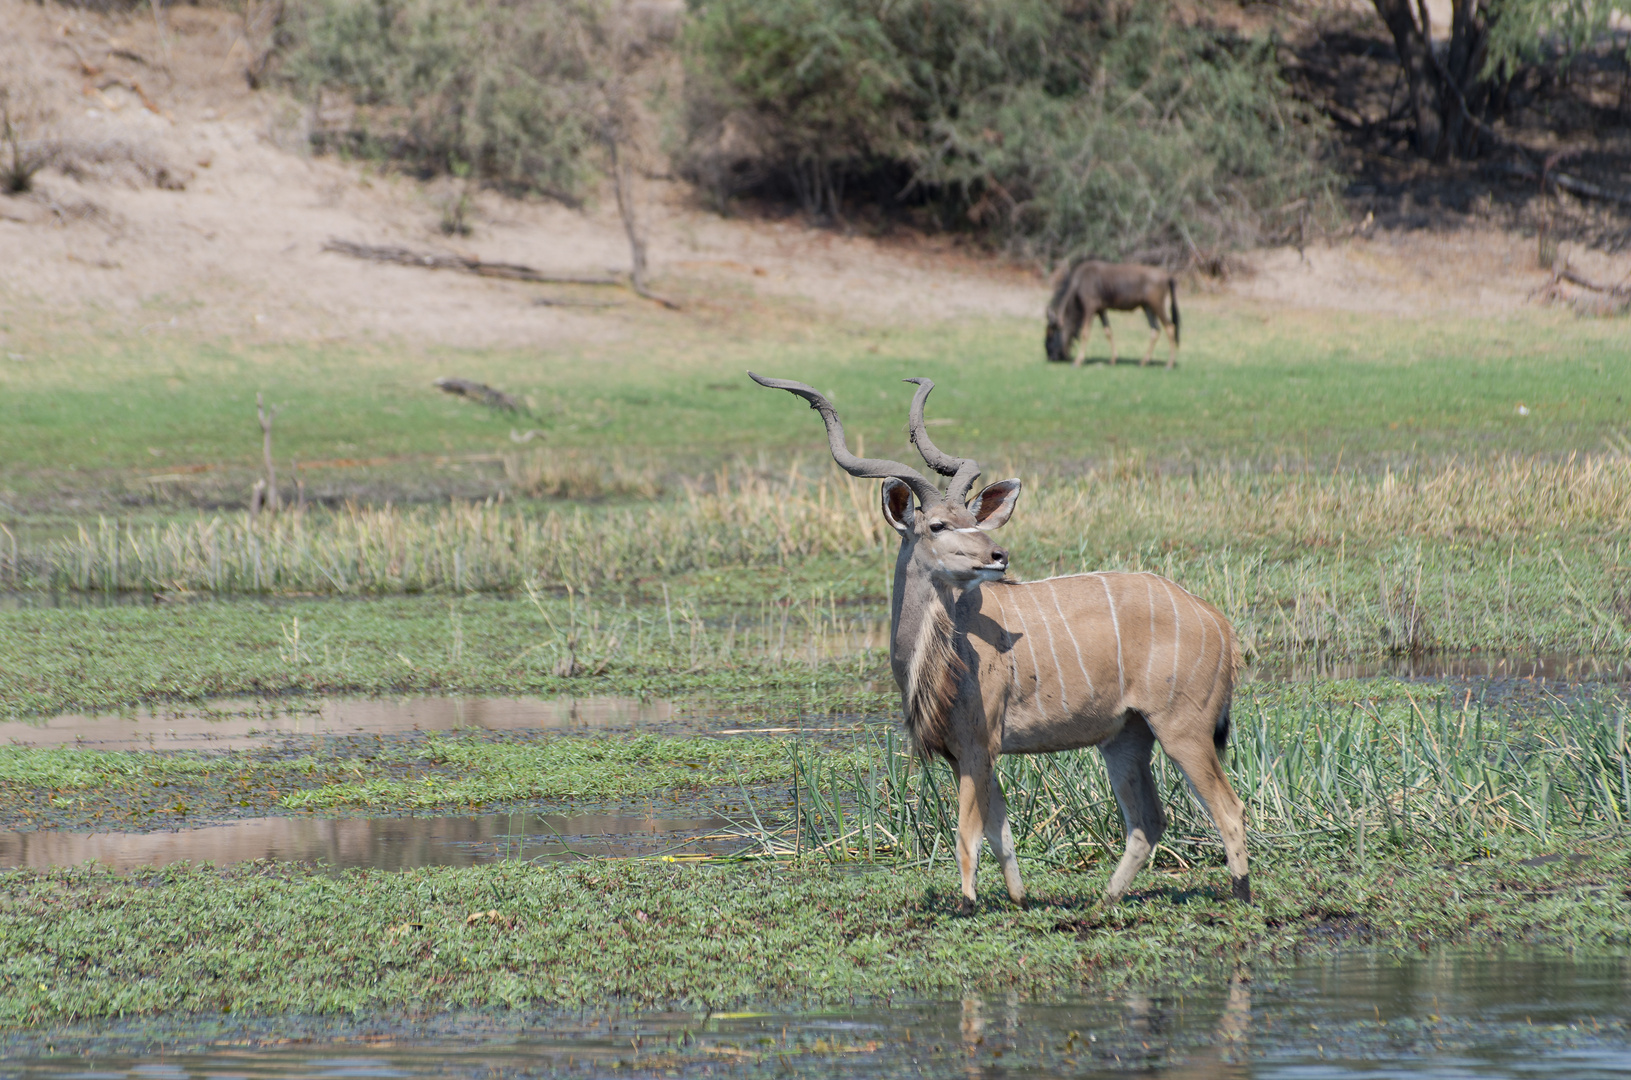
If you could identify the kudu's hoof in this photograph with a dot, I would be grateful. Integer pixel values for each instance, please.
(1243, 888)
(966, 907)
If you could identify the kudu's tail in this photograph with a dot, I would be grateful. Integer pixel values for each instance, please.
(1172, 291)
(1220, 731)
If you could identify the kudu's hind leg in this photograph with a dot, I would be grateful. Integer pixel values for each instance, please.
(1198, 759)
(1127, 757)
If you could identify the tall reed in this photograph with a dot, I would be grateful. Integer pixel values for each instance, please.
(1519, 554)
(1360, 780)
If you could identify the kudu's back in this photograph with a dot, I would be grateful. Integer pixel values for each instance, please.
(1076, 654)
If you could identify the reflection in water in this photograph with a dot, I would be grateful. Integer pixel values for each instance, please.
(380, 843)
(1447, 1015)
(231, 724)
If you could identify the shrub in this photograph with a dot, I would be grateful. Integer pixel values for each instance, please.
(500, 89)
(1051, 127)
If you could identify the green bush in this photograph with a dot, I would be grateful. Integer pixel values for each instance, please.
(503, 90)
(1051, 127)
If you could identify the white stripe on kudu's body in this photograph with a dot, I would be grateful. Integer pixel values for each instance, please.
(978, 661)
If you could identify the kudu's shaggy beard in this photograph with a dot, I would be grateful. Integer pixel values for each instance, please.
(933, 683)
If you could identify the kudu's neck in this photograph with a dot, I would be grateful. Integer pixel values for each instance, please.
(915, 600)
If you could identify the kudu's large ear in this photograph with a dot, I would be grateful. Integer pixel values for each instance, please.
(995, 504)
(897, 505)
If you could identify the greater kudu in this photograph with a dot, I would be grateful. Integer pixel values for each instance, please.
(987, 665)
(1090, 288)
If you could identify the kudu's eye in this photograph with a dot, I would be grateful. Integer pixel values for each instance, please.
(937, 526)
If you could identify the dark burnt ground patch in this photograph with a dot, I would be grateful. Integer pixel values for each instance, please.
(1343, 62)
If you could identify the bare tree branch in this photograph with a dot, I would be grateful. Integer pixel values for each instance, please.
(432, 260)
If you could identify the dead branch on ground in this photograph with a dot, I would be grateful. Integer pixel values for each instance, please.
(1572, 184)
(1562, 272)
(431, 260)
(569, 301)
(487, 395)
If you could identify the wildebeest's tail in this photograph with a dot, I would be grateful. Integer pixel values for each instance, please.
(1172, 291)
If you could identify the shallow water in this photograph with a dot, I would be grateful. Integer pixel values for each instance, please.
(1451, 1014)
(235, 723)
(380, 843)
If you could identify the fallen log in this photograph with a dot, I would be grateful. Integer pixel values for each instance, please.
(487, 395)
(1572, 184)
(1573, 277)
(436, 260)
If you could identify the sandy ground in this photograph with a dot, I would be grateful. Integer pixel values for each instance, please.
(189, 204)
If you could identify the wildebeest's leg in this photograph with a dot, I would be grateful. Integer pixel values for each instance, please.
(1172, 297)
(1104, 320)
(1156, 318)
(973, 796)
(1197, 757)
(1072, 324)
(1127, 757)
(1002, 840)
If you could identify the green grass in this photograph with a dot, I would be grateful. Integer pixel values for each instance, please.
(1318, 772)
(78, 788)
(261, 938)
(802, 628)
(485, 772)
(1348, 485)
(86, 409)
(103, 658)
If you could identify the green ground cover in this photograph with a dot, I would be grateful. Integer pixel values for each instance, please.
(99, 659)
(69, 787)
(89, 411)
(1339, 485)
(1349, 485)
(264, 938)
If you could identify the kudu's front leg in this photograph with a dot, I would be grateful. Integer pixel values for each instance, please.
(982, 813)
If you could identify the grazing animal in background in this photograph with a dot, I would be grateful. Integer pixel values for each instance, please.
(989, 666)
(1090, 288)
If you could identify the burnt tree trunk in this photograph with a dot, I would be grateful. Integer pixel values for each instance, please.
(1463, 61)
(1447, 94)
(1415, 56)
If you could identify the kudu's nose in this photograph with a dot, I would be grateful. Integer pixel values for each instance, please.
(999, 556)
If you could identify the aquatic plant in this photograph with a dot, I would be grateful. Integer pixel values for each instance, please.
(1360, 779)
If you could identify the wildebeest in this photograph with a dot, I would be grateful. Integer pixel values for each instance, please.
(1090, 287)
(989, 666)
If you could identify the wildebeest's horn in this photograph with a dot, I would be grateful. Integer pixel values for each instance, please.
(879, 468)
(963, 471)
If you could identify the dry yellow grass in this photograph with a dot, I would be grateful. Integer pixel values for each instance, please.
(1508, 553)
